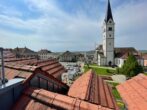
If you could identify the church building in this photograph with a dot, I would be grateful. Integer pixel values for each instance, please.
(107, 54)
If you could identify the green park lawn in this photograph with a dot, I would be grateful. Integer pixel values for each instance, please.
(116, 95)
(100, 70)
(114, 90)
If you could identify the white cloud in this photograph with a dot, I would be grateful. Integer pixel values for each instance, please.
(62, 30)
(58, 30)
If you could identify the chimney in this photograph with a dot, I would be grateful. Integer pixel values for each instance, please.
(2, 75)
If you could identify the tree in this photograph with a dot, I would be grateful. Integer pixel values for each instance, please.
(131, 67)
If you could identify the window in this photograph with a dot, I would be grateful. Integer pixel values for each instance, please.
(110, 28)
(118, 61)
(110, 35)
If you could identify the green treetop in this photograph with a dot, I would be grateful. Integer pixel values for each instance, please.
(131, 67)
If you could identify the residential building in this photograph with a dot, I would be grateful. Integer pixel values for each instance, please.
(121, 55)
(145, 59)
(50, 66)
(67, 57)
(45, 54)
(8, 53)
(89, 56)
(24, 53)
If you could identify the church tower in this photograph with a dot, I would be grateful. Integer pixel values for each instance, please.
(108, 36)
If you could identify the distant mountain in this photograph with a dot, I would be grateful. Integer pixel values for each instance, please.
(79, 52)
(143, 51)
(83, 52)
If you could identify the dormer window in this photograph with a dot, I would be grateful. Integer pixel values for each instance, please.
(110, 29)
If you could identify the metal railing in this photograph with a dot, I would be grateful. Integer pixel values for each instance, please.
(2, 70)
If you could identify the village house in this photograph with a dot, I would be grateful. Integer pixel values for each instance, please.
(145, 59)
(24, 52)
(45, 54)
(67, 57)
(51, 66)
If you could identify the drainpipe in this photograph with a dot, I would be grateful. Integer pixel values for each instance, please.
(2, 66)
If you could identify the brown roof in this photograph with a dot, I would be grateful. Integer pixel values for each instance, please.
(67, 53)
(24, 50)
(125, 49)
(134, 92)
(144, 56)
(39, 99)
(17, 59)
(13, 73)
(93, 88)
(126, 55)
(26, 72)
(8, 54)
(51, 66)
(120, 52)
(44, 51)
(27, 69)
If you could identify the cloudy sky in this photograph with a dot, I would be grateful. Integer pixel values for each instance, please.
(60, 25)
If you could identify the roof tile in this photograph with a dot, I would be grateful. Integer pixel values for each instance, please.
(134, 92)
(93, 89)
(42, 99)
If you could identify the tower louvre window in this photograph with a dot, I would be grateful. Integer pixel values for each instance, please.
(110, 29)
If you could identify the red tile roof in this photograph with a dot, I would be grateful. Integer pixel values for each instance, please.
(13, 73)
(134, 92)
(126, 55)
(16, 59)
(51, 66)
(92, 88)
(39, 99)
(27, 70)
(123, 52)
(8, 54)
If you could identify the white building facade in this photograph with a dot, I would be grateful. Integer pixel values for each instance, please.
(107, 54)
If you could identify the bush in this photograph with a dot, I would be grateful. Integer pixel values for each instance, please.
(117, 70)
(131, 67)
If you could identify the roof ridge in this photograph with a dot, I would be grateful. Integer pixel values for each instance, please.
(57, 100)
(21, 67)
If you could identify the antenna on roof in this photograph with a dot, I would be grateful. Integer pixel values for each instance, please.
(2, 75)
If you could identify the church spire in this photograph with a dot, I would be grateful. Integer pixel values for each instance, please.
(108, 13)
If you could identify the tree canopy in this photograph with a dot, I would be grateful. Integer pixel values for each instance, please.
(131, 67)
